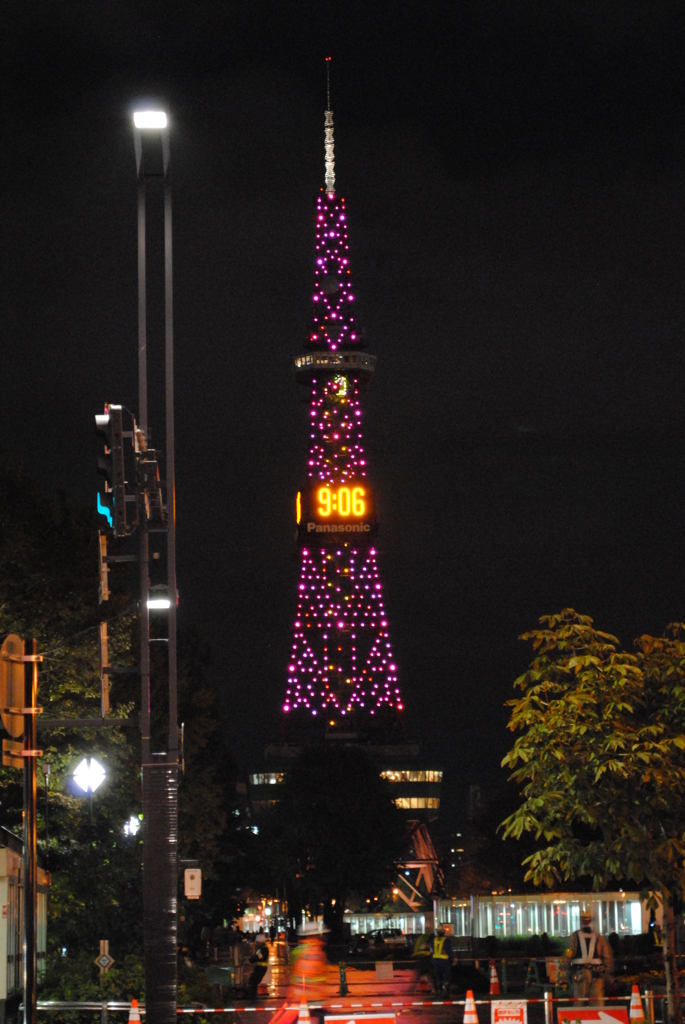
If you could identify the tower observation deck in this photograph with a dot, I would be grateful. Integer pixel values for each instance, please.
(342, 679)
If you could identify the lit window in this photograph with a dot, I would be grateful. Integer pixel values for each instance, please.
(267, 778)
(428, 775)
(417, 802)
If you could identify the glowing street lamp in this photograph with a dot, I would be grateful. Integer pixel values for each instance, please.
(132, 826)
(89, 775)
(150, 119)
(158, 598)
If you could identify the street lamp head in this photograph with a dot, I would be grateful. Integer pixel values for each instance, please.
(132, 826)
(89, 774)
(158, 598)
(150, 119)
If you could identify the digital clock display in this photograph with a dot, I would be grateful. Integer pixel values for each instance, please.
(336, 508)
(344, 502)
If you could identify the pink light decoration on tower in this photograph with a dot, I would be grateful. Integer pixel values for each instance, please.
(333, 324)
(336, 454)
(341, 659)
(341, 663)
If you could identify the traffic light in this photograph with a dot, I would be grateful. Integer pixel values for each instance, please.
(112, 466)
(150, 488)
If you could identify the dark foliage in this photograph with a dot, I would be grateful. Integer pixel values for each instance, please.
(48, 590)
(334, 832)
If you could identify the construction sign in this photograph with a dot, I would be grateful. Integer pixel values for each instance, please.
(594, 1015)
(509, 1011)
(377, 1018)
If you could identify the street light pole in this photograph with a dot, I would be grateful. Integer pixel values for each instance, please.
(144, 615)
(170, 455)
(159, 771)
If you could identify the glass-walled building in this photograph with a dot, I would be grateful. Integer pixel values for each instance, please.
(509, 916)
(553, 913)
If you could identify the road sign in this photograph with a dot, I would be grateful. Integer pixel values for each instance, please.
(509, 1011)
(192, 883)
(104, 960)
(12, 685)
(594, 1015)
(13, 753)
(377, 1018)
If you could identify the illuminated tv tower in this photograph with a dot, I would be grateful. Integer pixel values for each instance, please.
(342, 683)
(341, 670)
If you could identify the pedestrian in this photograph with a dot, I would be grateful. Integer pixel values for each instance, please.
(260, 959)
(422, 957)
(441, 961)
(591, 961)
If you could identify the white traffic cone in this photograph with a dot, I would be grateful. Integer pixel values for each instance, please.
(134, 1012)
(637, 1013)
(470, 1014)
(304, 1016)
(267, 980)
(494, 980)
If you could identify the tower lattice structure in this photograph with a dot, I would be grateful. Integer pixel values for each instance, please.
(341, 670)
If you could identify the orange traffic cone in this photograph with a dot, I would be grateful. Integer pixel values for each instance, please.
(134, 1012)
(470, 1015)
(304, 1016)
(494, 980)
(637, 1014)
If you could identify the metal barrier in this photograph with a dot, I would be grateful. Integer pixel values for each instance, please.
(103, 1008)
(316, 1004)
(547, 1002)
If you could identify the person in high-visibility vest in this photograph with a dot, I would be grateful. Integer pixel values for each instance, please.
(441, 960)
(591, 961)
(422, 958)
(260, 959)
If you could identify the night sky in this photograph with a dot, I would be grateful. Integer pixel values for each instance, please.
(515, 179)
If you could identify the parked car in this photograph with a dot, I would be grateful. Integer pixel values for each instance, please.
(379, 938)
(388, 937)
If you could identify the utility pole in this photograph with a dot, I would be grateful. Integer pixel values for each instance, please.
(159, 770)
(30, 848)
(18, 708)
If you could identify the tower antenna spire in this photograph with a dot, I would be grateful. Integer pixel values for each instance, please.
(329, 178)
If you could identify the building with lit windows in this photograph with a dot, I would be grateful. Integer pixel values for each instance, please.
(506, 916)
(415, 791)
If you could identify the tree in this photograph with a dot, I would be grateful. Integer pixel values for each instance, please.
(48, 589)
(601, 758)
(334, 831)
